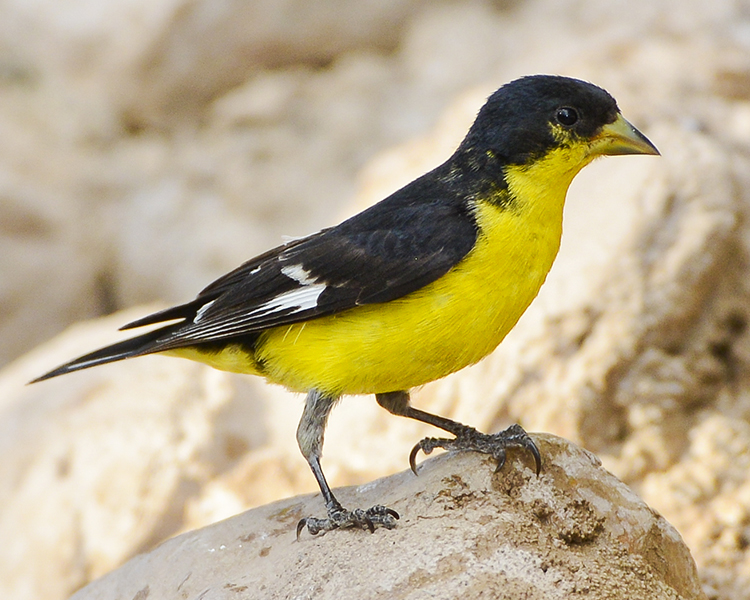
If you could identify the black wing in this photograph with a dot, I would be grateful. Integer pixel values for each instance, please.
(396, 247)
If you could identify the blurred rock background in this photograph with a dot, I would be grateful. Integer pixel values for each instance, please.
(148, 147)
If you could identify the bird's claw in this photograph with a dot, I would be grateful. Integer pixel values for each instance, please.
(493, 444)
(340, 518)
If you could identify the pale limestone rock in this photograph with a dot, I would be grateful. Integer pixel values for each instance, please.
(465, 532)
(363, 441)
(93, 218)
(51, 255)
(707, 495)
(141, 215)
(157, 62)
(99, 467)
(205, 48)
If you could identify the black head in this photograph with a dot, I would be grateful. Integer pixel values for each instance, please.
(527, 117)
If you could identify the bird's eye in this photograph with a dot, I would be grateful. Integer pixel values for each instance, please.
(566, 116)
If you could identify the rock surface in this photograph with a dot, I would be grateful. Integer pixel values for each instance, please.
(465, 532)
(637, 347)
(108, 203)
(97, 471)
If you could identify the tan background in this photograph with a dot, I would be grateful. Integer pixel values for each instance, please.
(148, 147)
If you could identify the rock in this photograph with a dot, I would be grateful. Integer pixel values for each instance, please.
(465, 532)
(99, 467)
(638, 346)
(156, 446)
(707, 494)
(228, 44)
(157, 63)
(126, 213)
(51, 256)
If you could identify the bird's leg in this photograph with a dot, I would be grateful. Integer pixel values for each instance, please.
(310, 434)
(467, 438)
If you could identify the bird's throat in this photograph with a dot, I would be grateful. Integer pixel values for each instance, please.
(539, 188)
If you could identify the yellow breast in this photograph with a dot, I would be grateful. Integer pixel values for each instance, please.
(447, 325)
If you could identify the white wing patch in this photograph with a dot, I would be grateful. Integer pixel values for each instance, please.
(299, 299)
(299, 274)
(302, 298)
(202, 311)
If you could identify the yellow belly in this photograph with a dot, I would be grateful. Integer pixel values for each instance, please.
(451, 323)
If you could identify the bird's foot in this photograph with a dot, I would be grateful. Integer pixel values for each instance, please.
(470, 439)
(340, 518)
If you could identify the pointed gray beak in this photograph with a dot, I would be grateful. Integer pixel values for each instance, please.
(620, 137)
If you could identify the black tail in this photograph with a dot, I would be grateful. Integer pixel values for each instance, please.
(137, 346)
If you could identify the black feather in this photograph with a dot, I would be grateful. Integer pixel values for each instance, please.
(137, 346)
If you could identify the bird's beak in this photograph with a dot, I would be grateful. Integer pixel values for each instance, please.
(620, 137)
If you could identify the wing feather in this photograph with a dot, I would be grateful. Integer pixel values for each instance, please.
(386, 252)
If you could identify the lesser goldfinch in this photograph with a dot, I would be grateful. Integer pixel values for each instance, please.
(418, 286)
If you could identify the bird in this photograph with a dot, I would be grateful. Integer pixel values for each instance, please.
(414, 288)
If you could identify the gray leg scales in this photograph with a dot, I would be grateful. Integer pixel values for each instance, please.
(468, 438)
(310, 438)
(340, 518)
